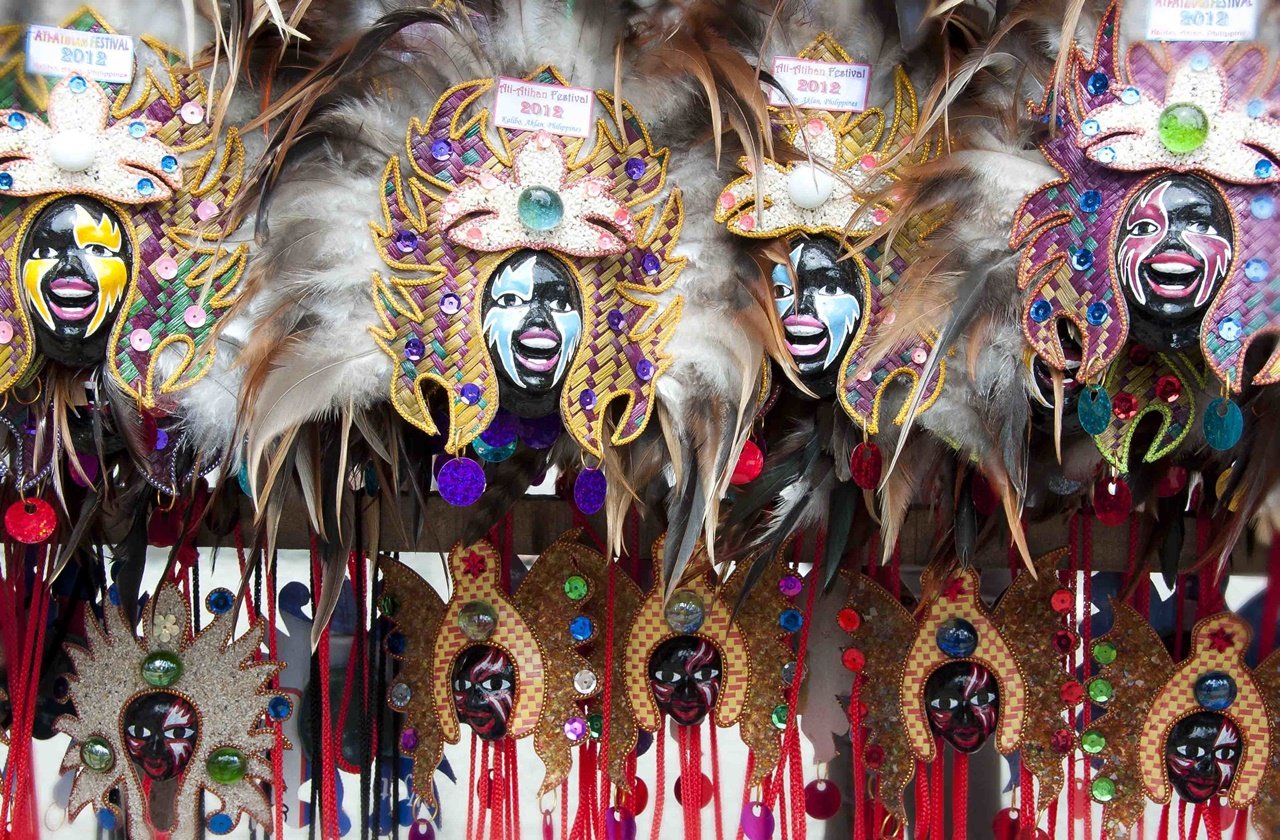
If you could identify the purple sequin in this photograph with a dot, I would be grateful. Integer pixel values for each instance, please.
(587, 399)
(450, 304)
(589, 491)
(790, 585)
(414, 349)
(461, 482)
(575, 728)
(651, 264)
(644, 370)
(616, 319)
(619, 824)
(406, 241)
(470, 393)
(441, 150)
(409, 740)
(635, 168)
(422, 830)
(502, 431)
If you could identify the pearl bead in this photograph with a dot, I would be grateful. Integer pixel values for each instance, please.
(809, 186)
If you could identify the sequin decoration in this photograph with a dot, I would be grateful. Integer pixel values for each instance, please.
(757, 821)
(749, 466)
(30, 521)
(821, 799)
(1112, 500)
(461, 482)
(866, 464)
(219, 601)
(1223, 424)
(1093, 408)
(589, 491)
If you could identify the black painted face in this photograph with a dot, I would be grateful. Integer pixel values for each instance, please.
(820, 308)
(532, 324)
(1173, 250)
(75, 263)
(484, 690)
(1201, 755)
(160, 732)
(685, 674)
(963, 702)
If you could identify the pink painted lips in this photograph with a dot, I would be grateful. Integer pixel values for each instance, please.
(806, 335)
(538, 350)
(1172, 274)
(72, 298)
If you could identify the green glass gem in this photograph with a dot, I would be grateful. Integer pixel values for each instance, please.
(1104, 653)
(1100, 691)
(595, 725)
(1093, 742)
(477, 620)
(97, 755)
(780, 715)
(540, 208)
(1183, 128)
(575, 586)
(1103, 789)
(162, 669)
(227, 765)
(388, 605)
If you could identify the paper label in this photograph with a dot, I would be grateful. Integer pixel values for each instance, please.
(821, 85)
(101, 56)
(1203, 20)
(531, 106)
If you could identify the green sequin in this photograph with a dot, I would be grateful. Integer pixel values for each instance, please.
(1093, 742)
(1103, 790)
(1104, 653)
(1100, 691)
(575, 586)
(780, 715)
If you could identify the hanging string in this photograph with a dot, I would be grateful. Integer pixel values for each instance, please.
(1027, 800)
(715, 782)
(482, 790)
(277, 753)
(960, 796)
(329, 765)
(859, 750)
(1240, 830)
(746, 788)
(606, 728)
(1086, 634)
(660, 788)
(938, 788)
(924, 819)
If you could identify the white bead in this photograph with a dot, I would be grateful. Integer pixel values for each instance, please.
(809, 186)
(72, 150)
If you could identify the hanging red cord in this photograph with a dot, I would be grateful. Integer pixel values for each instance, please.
(18, 805)
(277, 754)
(328, 757)
(859, 768)
(660, 789)
(960, 797)
(471, 780)
(1086, 633)
(938, 787)
(715, 783)
(1240, 830)
(924, 820)
(482, 790)
(606, 728)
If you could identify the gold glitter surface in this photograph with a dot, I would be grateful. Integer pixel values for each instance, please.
(1266, 809)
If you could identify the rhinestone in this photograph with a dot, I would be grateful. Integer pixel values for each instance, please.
(401, 694)
(137, 129)
(1097, 313)
(1263, 169)
(279, 708)
(1098, 83)
(584, 682)
(651, 264)
(469, 393)
(1169, 388)
(388, 605)
(1262, 207)
(1216, 691)
(220, 601)
(450, 304)
(1090, 201)
(575, 586)
(96, 754)
(1093, 742)
(789, 672)
(477, 620)
(1103, 790)
(146, 186)
(849, 620)
(442, 149)
(406, 241)
(1090, 127)
(409, 740)
(77, 84)
(581, 628)
(780, 715)
(684, 612)
(1106, 154)
(956, 637)
(1130, 95)
(1256, 270)
(1124, 406)
(539, 208)
(161, 669)
(1082, 260)
(1256, 108)
(575, 728)
(6, 181)
(1041, 310)
(790, 586)
(1100, 690)
(1104, 653)
(790, 620)
(1183, 128)
(1229, 328)
(226, 765)
(635, 168)
(587, 399)
(17, 121)
(414, 349)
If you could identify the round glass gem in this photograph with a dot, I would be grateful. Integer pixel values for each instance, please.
(749, 466)
(685, 611)
(539, 208)
(1097, 313)
(1262, 207)
(401, 694)
(956, 637)
(650, 263)
(635, 168)
(780, 715)
(461, 482)
(477, 620)
(17, 121)
(789, 672)
(1183, 128)
(1082, 259)
(1257, 270)
(575, 587)
(1216, 691)
(161, 669)
(220, 824)
(1263, 168)
(1100, 690)
(1093, 408)
(1104, 653)
(1041, 310)
(6, 181)
(589, 491)
(1103, 789)
(1090, 201)
(226, 765)
(581, 628)
(97, 755)
(575, 728)
(1098, 83)
(584, 682)
(77, 84)
(1223, 424)
(1093, 742)
(1130, 95)
(790, 585)
(791, 620)
(279, 708)
(441, 149)
(219, 601)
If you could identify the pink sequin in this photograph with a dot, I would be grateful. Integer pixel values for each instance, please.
(815, 127)
(889, 317)
(621, 215)
(6, 332)
(747, 222)
(594, 189)
(192, 113)
(206, 210)
(488, 180)
(166, 268)
(140, 340)
(727, 200)
(868, 161)
(195, 316)
(543, 140)
(919, 355)
(475, 234)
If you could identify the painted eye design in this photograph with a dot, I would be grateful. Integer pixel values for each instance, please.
(139, 731)
(461, 685)
(945, 704)
(664, 676)
(179, 733)
(559, 305)
(44, 252)
(1225, 753)
(93, 249)
(1202, 227)
(705, 674)
(986, 698)
(1191, 751)
(510, 299)
(496, 683)
(1143, 228)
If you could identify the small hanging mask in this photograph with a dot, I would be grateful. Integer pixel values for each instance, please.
(1201, 755)
(963, 703)
(684, 675)
(484, 690)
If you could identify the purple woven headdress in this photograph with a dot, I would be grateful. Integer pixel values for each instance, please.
(1159, 230)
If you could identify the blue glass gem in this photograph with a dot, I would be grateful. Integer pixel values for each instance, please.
(220, 601)
(1106, 154)
(1041, 310)
(616, 319)
(1229, 328)
(1090, 201)
(1090, 127)
(1130, 95)
(1223, 424)
(491, 454)
(414, 349)
(539, 208)
(17, 121)
(469, 393)
(6, 181)
(169, 164)
(1216, 691)
(589, 490)
(1094, 410)
(442, 150)
(397, 644)
(581, 628)
(651, 264)
(77, 84)
(1263, 168)
(1262, 207)
(450, 304)
(502, 430)
(635, 168)
(406, 241)
(113, 595)
(146, 186)
(1097, 313)
(587, 399)
(956, 637)
(1256, 108)
(137, 129)
(1256, 270)
(461, 482)
(1098, 83)
(644, 370)
(279, 708)
(791, 620)
(1082, 259)
(220, 824)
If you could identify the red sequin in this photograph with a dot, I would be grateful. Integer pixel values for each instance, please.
(1006, 825)
(821, 799)
(865, 465)
(874, 756)
(1124, 406)
(637, 799)
(30, 521)
(849, 620)
(1112, 501)
(1071, 692)
(1062, 600)
(1064, 641)
(853, 659)
(1063, 741)
(750, 464)
(1169, 388)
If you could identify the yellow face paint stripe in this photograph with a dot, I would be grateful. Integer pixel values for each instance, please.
(33, 272)
(87, 231)
(111, 275)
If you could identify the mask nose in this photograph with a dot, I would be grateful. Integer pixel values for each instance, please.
(964, 715)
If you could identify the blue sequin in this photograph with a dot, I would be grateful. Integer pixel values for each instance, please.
(1082, 260)
(1097, 313)
(1098, 83)
(650, 263)
(470, 393)
(791, 620)
(1093, 408)
(581, 628)
(635, 168)
(616, 319)
(1263, 169)
(414, 349)
(146, 186)
(137, 129)
(77, 84)
(1262, 207)
(397, 644)
(1106, 154)
(1222, 423)
(1200, 61)
(1041, 310)
(644, 370)
(17, 121)
(956, 637)
(107, 819)
(220, 824)
(1090, 127)
(1090, 201)
(587, 399)
(1229, 328)
(494, 454)
(1255, 109)
(169, 164)
(441, 150)
(1216, 691)
(1256, 270)
(1130, 95)
(6, 181)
